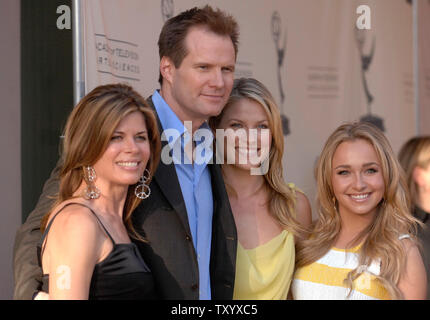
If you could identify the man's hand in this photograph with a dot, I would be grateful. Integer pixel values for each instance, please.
(41, 296)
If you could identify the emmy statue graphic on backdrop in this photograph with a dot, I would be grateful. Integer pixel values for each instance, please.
(280, 51)
(167, 9)
(366, 60)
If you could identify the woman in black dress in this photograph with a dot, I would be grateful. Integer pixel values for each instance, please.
(110, 151)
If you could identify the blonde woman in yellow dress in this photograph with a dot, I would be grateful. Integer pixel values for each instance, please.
(363, 244)
(268, 213)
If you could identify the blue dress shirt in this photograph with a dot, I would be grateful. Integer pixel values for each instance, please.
(195, 181)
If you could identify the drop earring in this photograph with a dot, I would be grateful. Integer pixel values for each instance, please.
(91, 191)
(142, 190)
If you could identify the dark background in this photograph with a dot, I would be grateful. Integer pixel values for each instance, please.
(46, 93)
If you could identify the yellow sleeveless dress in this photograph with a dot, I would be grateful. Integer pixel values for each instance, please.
(265, 272)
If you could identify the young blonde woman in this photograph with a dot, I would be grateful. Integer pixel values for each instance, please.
(414, 157)
(363, 245)
(110, 151)
(269, 214)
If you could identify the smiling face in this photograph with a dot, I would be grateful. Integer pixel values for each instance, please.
(200, 86)
(357, 180)
(127, 154)
(247, 133)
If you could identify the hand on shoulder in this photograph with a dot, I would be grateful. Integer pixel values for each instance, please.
(41, 296)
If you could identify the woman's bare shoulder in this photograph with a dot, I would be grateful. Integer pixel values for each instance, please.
(74, 225)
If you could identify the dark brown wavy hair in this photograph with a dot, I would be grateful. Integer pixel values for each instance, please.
(87, 133)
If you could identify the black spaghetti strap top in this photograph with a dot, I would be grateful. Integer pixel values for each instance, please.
(122, 275)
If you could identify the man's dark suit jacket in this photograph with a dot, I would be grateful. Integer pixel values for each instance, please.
(162, 219)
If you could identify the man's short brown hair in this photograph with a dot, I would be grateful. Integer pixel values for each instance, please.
(171, 42)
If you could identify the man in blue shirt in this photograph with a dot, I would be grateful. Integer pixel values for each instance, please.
(195, 86)
(195, 182)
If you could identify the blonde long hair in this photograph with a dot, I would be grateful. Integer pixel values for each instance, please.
(87, 133)
(393, 217)
(282, 198)
(415, 153)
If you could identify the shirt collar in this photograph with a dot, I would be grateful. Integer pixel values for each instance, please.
(169, 120)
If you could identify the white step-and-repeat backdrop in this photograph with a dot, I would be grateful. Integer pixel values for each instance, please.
(320, 67)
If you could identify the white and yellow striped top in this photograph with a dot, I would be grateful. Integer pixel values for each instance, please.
(324, 279)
